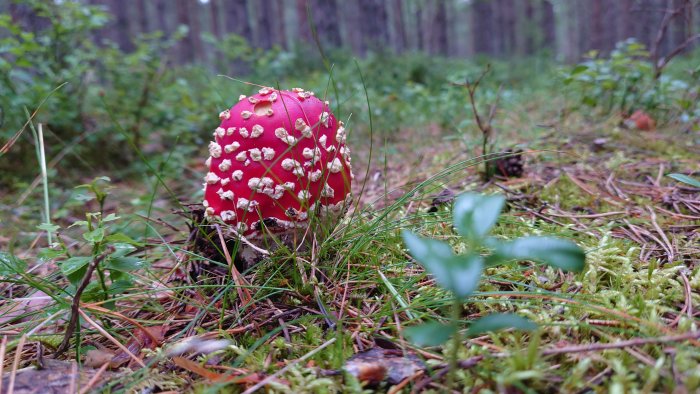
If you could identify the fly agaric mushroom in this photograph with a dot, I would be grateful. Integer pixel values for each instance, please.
(277, 159)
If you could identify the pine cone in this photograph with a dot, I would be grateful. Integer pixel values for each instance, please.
(511, 164)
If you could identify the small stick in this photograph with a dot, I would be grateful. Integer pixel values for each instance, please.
(286, 367)
(75, 306)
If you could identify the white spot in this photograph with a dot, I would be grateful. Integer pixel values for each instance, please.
(220, 131)
(225, 114)
(281, 133)
(209, 212)
(225, 194)
(211, 178)
(297, 90)
(246, 163)
(243, 132)
(289, 164)
(335, 166)
(257, 131)
(246, 114)
(315, 175)
(323, 140)
(241, 156)
(264, 91)
(273, 97)
(232, 147)
(324, 117)
(207, 162)
(225, 165)
(314, 154)
(241, 97)
(299, 124)
(280, 189)
(253, 100)
(303, 195)
(327, 191)
(268, 153)
(230, 130)
(331, 149)
(246, 204)
(237, 175)
(255, 154)
(340, 135)
(214, 150)
(269, 112)
(205, 203)
(228, 215)
(225, 181)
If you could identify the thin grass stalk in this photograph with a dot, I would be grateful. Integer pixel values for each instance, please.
(45, 181)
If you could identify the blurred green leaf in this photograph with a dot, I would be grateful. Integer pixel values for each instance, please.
(475, 214)
(429, 334)
(556, 252)
(458, 274)
(686, 179)
(499, 321)
(95, 236)
(11, 264)
(125, 264)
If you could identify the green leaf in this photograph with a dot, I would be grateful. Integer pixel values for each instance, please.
(11, 265)
(52, 228)
(475, 214)
(579, 69)
(74, 268)
(95, 236)
(458, 274)
(429, 334)
(122, 238)
(110, 217)
(500, 321)
(686, 179)
(556, 252)
(125, 264)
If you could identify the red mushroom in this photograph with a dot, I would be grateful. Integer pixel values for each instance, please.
(278, 157)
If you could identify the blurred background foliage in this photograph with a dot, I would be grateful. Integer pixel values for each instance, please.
(111, 78)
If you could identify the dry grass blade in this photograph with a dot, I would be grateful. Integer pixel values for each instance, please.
(3, 347)
(95, 378)
(241, 284)
(15, 364)
(111, 338)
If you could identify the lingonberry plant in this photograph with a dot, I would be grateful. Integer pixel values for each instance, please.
(474, 215)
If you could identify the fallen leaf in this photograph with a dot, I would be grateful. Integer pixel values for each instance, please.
(147, 338)
(95, 358)
(377, 365)
(210, 375)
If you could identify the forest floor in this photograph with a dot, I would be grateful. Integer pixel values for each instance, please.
(330, 319)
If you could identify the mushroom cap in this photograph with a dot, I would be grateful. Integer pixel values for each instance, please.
(276, 157)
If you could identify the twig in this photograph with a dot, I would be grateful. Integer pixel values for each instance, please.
(286, 367)
(621, 344)
(75, 306)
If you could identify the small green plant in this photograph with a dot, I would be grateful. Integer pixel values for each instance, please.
(474, 215)
(109, 256)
